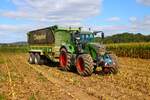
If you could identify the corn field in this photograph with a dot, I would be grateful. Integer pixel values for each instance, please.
(134, 50)
(14, 48)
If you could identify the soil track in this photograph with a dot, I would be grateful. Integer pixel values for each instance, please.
(20, 80)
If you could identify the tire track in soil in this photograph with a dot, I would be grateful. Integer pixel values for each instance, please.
(103, 87)
(136, 66)
(5, 86)
(108, 86)
(135, 80)
(5, 90)
(85, 84)
(121, 89)
(126, 85)
(99, 93)
(22, 82)
(135, 63)
(12, 93)
(70, 89)
(143, 72)
(78, 94)
(136, 71)
(46, 85)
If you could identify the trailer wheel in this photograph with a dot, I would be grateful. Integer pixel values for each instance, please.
(31, 58)
(84, 65)
(38, 59)
(65, 60)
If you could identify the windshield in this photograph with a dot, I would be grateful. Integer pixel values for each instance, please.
(86, 37)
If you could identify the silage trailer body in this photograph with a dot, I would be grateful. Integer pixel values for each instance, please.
(47, 42)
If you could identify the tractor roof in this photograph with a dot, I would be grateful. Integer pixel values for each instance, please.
(67, 28)
(86, 32)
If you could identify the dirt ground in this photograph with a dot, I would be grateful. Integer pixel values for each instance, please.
(22, 81)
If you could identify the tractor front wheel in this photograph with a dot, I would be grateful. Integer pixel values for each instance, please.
(84, 65)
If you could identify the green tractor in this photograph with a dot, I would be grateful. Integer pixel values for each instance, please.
(72, 48)
(86, 55)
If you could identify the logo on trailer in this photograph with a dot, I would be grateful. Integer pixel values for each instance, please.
(39, 37)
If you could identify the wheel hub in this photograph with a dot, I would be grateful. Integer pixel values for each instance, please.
(63, 59)
(80, 64)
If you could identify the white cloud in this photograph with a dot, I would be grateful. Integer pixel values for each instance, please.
(113, 19)
(12, 33)
(20, 28)
(13, 28)
(135, 25)
(47, 12)
(132, 19)
(13, 14)
(54, 10)
(109, 29)
(140, 25)
(144, 2)
(43, 13)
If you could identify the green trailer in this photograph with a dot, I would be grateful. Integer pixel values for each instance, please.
(45, 43)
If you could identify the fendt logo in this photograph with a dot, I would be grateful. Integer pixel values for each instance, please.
(39, 37)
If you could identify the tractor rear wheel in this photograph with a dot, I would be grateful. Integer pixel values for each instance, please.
(84, 65)
(114, 67)
(65, 60)
(31, 58)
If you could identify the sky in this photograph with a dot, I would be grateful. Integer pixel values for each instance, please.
(17, 17)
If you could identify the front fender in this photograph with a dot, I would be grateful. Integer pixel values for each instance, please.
(70, 48)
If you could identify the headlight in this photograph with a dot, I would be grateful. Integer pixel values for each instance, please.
(106, 64)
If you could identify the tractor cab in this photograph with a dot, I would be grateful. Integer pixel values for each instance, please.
(87, 36)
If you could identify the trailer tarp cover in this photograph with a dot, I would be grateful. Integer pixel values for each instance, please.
(42, 36)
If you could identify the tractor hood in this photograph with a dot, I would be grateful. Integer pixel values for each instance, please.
(96, 44)
(99, 48)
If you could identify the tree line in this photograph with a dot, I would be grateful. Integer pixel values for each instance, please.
(124, 38)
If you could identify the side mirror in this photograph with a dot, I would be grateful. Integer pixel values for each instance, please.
(77, 38)
(102, 34)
